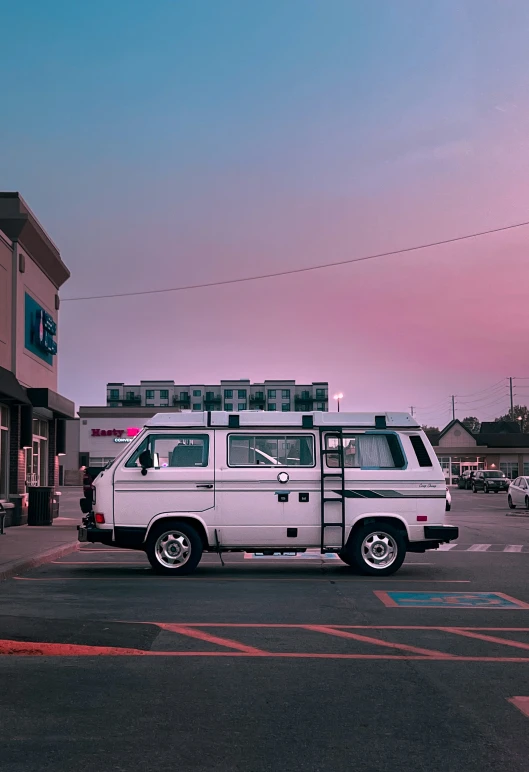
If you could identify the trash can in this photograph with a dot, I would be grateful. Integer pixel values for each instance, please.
(40, 505)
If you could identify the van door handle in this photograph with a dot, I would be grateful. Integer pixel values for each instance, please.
(208, 485)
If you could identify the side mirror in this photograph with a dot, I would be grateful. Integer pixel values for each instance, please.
(146, 461)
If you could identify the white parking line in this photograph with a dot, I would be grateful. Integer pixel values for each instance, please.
(446, 547)
(513, 548)
(479, 547)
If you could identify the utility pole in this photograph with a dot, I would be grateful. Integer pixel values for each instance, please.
(453, 407)
(512, 403)
(412, 409)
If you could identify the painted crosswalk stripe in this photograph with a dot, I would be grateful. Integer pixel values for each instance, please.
(513, 548)
(479, 547)
(446, 547)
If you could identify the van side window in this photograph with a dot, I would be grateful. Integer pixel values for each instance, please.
(419, 447)
(270, 450)
(174, 450)
(367, 451)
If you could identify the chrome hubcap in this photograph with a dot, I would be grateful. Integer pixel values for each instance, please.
(379, 550)
(173, 549)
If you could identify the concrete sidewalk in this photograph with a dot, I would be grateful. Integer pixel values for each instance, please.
(23, 547)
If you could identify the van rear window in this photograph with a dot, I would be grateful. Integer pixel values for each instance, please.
(366, 451)
(419, 447)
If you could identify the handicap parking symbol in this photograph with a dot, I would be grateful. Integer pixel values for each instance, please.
(449, 600)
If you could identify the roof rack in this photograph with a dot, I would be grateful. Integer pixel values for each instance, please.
(258, 418)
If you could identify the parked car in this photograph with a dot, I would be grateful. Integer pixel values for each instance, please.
(490, 480)
(448, 499)
(465, 481)
(519, 493)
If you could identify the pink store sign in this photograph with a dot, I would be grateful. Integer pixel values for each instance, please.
(118, 433)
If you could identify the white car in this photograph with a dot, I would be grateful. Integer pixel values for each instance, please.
(448, 499)
(519, 493)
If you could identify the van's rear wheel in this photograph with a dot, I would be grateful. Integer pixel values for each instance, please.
(347, 558)
(174, 548)
(378, 551)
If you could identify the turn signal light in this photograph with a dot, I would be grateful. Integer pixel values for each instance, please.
(100, 518)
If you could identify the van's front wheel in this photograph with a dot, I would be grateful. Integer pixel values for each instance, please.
(378, 551)
(174, 548)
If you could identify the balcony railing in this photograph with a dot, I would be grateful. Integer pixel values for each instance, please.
(216, 400)
(181, 400)
(124, 401)
(255, 400)
(300, 399)
(130, 401)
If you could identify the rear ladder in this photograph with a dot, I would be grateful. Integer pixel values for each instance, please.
(325, 498)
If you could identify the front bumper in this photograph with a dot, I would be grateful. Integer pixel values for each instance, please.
(441, 533)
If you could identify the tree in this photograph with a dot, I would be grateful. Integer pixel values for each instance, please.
(520, 414)
(430, 429)
(472, 424)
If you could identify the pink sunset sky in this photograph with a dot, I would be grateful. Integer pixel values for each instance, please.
(226, 148)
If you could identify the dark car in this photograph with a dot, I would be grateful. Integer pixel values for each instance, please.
(488, 481)
(465, 480)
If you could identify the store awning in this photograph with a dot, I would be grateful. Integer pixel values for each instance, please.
(10, 389)
(50, 400)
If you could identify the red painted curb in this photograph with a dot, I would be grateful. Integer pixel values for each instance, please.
(25, 564)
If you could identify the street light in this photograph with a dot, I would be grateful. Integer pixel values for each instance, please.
(338, 397)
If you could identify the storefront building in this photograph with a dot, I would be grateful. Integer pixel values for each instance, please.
(32, 413)
(100, 434)
(499, 445)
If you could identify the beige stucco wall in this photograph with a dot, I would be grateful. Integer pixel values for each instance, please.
(6, 253)
(456, 437)
(32, 371)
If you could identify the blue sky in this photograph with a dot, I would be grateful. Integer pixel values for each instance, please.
(166, 143)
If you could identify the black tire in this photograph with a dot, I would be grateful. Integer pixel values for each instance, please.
(188, 538)
(496, 491)
(527, 502)
(509, 501)
(356, 553)
(474, 489)
(485, 489)
(347, 558)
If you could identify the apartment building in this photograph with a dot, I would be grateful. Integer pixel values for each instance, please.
(230, 395)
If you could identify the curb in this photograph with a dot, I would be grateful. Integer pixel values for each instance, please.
(19, 566)
(512, 514)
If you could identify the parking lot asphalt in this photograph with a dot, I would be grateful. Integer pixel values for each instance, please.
(273, 664)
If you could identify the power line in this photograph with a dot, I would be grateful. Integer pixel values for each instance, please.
(476, 402)
(488, 388)
(431, 408)
(301, 270)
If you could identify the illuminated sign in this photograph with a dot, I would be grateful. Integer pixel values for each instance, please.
(117, 433)
(40, 331)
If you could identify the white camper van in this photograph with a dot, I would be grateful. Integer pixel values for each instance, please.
(367, 487)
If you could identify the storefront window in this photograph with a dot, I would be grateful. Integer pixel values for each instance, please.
(37, 455)
(445, 466)
(454, 466)
(4, 451)
(509, 468)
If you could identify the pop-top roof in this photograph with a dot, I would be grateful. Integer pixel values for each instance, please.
(255, 418)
